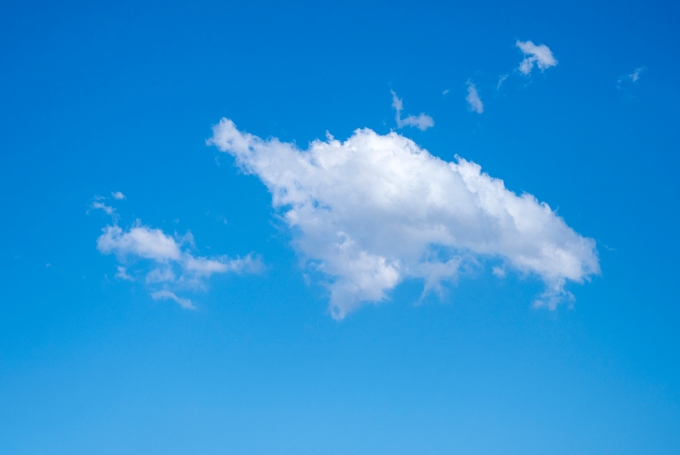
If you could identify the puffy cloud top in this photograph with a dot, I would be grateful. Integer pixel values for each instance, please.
(376, 209)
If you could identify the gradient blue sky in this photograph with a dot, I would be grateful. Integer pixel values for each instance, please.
(101, 97)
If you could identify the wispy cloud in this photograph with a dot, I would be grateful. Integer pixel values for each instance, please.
(474, 102)
(628, 80)
(122, 274)
(168, 295)
(499, 272)
(635, 75)
(118, 195)
(540, 55)
(501, 79)
(101, 206)
(374, 210)
(165, 261)
(422, 121)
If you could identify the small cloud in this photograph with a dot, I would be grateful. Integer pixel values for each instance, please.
(101, 206)
(498, 271)
(540, 55)
(167, 295)
(48, 265)
(635, 75)
(118, 195)
(629, 80)
(167, 262)
(445, 91)
(139, 241)
(474, 102)
(422, 121)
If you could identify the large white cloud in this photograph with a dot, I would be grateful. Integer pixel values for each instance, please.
(377, 209)
(540, 55)
(139, 241)
(169, 265)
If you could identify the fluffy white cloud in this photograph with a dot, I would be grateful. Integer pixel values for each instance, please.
(474, 101)
(422, 121)
(374, 210)
(139, 241)
(539, 55)
(172, 264)
(118, 195)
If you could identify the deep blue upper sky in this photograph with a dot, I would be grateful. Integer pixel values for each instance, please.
(97, 98)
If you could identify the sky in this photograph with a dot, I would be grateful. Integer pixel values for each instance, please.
(385, 228)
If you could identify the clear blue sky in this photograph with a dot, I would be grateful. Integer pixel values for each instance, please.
(170, 288)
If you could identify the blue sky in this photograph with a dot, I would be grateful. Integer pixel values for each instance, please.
(251, 291)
